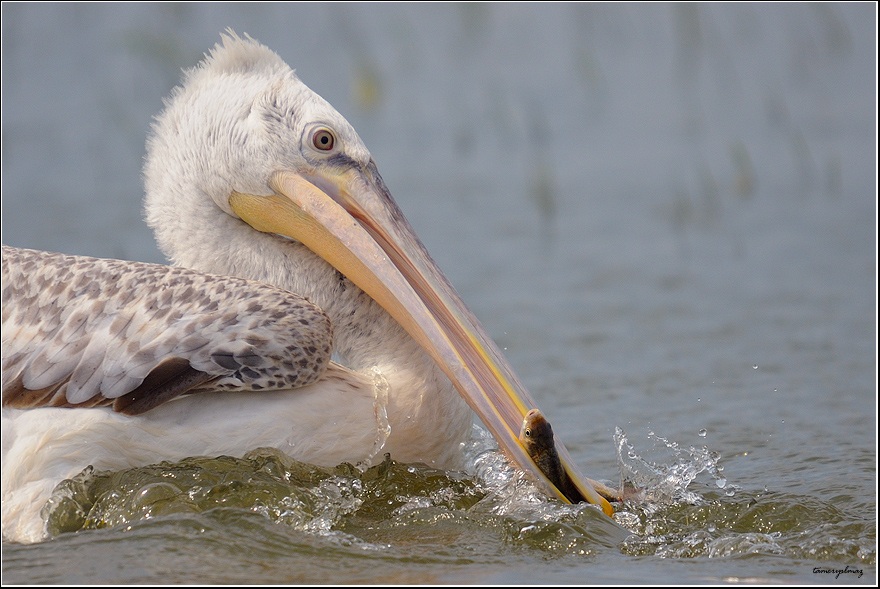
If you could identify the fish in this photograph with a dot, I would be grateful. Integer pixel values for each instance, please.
(536, 436)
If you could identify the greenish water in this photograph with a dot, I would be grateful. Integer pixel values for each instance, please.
(266, 518)
(665, 216)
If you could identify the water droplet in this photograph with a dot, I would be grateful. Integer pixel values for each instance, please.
(783, 421)
(721, 483)
(775, 390)
(754, 366)
(730, 492)
(703, 433)
(711, 527)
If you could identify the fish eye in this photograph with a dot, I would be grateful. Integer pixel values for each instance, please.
(528, 433)
(323, 139)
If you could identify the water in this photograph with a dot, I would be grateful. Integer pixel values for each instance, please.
(665, 215)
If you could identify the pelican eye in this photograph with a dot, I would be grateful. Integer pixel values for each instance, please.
(323, 139)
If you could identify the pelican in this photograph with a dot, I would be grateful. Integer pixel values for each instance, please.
(300, 311)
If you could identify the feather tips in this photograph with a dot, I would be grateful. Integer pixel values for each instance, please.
(83, 331)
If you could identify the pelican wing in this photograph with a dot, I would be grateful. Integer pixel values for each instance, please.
(84, 332)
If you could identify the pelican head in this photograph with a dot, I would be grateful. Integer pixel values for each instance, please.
(244, 145)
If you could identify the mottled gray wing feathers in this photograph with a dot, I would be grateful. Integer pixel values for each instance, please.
(85, 331)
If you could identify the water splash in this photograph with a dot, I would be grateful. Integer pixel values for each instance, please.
(662, 484)
(381, 389)
(669, 512)
(495, 475)
(684, 507)
(511, 494)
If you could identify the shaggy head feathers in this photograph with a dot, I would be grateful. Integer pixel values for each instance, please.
(238, 117)
(234, 55)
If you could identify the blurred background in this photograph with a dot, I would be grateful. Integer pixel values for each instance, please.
(675, 111)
